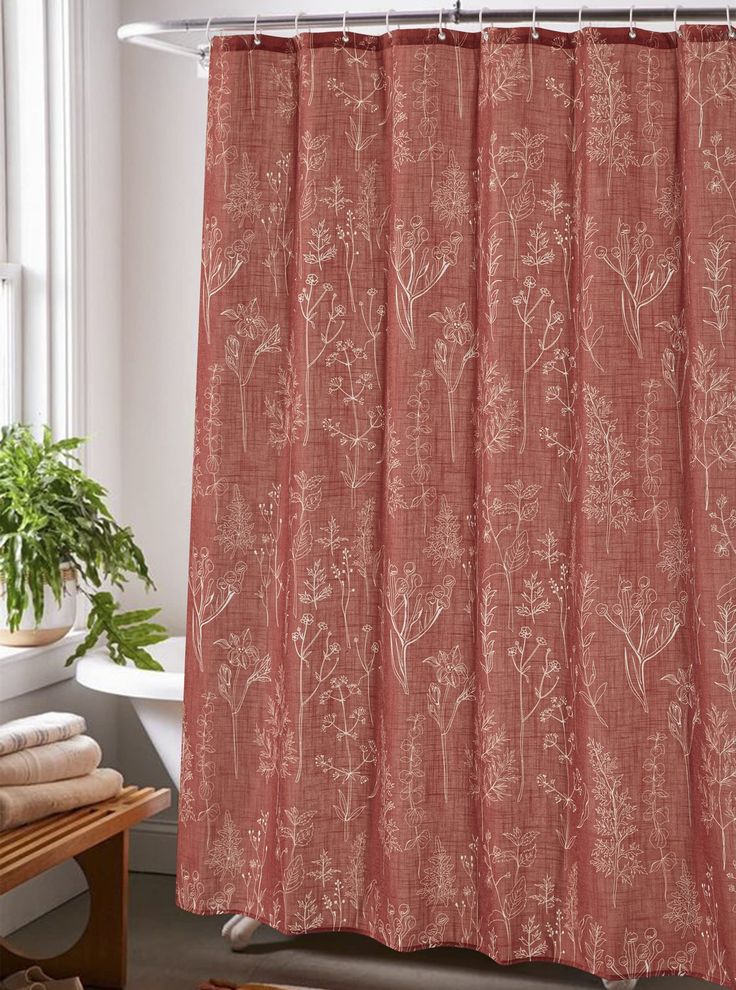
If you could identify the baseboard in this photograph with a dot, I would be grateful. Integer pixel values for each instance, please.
(153, 847)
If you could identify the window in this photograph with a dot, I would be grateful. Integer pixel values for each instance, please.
(10, 288)
(41, 213)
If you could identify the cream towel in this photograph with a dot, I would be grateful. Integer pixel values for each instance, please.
(55, 761)
(37, 730)
(20, 805)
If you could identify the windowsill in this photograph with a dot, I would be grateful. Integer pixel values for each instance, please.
(27, 668)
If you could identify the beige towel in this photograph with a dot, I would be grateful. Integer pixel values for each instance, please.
(37, 730)
(55, 761)
(20, 805)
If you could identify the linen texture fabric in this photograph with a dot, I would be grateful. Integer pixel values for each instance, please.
(42, 764)
(39, 730)
(461, 645)
(26, 803)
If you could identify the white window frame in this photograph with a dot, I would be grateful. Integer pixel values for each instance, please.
(11, 404)
(44, 201)
(10, 286)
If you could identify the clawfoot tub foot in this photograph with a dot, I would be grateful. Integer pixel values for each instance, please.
(619, 984)
(238, 931)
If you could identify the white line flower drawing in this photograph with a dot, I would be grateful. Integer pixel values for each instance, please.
(209, 594)
(357, 756)
(644, 275)
(455, 684)
(458, 340)
(534, 303)
(417, 268)
(610, 140)
(251, 326)
(718, 780)
(615, 854)
(245, 666)
(712, 416)
(710, 78)
(220, 264)
(606, 500)
(683, 717)
(647, 629)
(413, 609)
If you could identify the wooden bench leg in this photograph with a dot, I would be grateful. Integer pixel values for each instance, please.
(99, 957)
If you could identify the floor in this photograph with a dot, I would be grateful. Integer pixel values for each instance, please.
(172, 950)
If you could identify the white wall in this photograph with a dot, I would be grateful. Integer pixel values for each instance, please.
(163, 115)
(103, 255)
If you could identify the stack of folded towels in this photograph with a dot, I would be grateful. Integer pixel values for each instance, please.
(48, 765)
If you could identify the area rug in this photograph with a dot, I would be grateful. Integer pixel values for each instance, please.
(227, 985)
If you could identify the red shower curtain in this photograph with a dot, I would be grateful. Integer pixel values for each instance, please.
(461, 655)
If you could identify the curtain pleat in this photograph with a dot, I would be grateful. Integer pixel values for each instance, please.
(461, 645)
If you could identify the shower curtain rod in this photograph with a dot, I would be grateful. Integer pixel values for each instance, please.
(147, 33)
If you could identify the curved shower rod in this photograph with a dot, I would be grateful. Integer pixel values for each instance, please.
(148, 33)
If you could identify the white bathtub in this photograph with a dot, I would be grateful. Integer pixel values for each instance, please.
(156, 696)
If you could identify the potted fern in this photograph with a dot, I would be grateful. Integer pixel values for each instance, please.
(57, 539)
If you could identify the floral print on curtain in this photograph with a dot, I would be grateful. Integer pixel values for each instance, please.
(461, 649)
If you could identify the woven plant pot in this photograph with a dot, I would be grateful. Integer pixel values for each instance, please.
(56, 621)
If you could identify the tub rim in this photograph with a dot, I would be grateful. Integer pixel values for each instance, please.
(97, 672)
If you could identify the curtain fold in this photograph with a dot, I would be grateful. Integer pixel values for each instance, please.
(461, 644)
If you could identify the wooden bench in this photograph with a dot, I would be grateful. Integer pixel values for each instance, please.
(97, 838)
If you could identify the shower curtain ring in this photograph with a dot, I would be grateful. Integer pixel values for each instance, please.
(296, 22)
(674, 20)
(256, 35)
(535, 32)
(440, 29)
(345, 36)
(580, 16)
(731, 30)
(632, 29)
(483, 31)
(208, 36)
(388, 26)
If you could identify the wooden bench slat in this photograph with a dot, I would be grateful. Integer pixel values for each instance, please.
(47, 828)
(52, 827)
(70, 833)
(29, 833)
(106, 820)
(14, 836)
(44, 824)
(55, 831)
